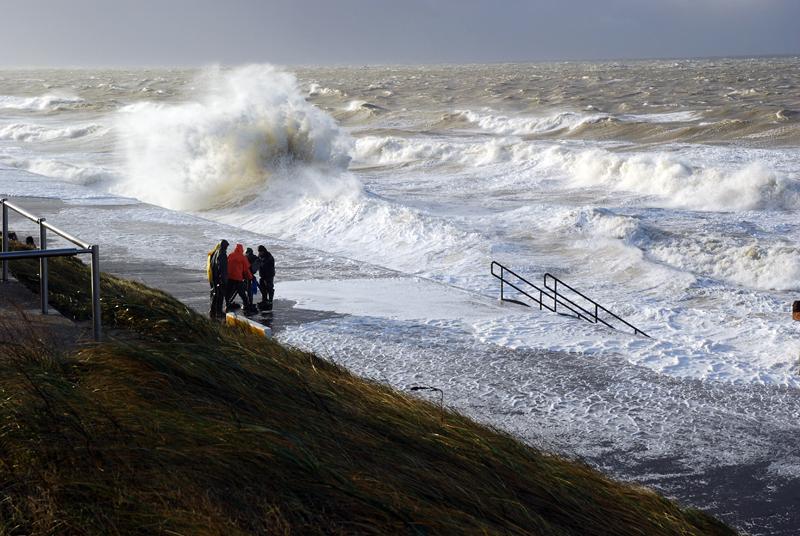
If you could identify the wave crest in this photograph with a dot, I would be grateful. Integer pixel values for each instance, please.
(32, 133)
(678, 183)
(221, 150)
(39, 104)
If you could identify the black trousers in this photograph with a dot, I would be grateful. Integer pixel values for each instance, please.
(217, 298)
(267, 288)
(234, 288)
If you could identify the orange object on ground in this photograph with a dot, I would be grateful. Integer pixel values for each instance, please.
(238, 265)
(796, 310)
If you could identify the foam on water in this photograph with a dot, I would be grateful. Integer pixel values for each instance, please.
(717, 356)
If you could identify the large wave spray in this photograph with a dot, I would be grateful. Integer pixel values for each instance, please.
(220, 150)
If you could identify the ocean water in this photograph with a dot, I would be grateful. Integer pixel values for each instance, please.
(667, 190)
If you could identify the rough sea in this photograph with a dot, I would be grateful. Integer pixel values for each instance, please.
(666, 190)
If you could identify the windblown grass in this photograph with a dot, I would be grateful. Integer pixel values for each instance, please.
(178, 425)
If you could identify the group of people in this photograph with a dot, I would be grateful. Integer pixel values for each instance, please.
(12, 237)
(232, 275)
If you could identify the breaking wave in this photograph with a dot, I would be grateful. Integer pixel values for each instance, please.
(41, 103)
(77, 172)
(34, 133)
(396, 151)
(564, 121)
(316, 90)
(518, 126)
(307, 208)
(653, 127)
(669, 180)
(249, 124)
(677, 183)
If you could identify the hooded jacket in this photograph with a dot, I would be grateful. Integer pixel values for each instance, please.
(217, 265)
(238, 265)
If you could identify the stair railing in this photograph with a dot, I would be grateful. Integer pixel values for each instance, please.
(543, 300)
(43, 254)
(595, 316)
(550, 297)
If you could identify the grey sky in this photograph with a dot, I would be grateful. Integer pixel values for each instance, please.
(196, 32)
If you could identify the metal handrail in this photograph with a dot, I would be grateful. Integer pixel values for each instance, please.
(542, 292)
(66, 236)
(43, 254)
(597, 306)
(556, 298)
(39, 253)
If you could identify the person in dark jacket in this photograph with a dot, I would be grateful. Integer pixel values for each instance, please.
(266, 278)
(217, 270)
(255, 264)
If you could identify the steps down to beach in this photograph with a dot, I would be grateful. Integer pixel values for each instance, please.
(20, 310)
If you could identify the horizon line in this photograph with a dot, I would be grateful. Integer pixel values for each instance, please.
(202, 65)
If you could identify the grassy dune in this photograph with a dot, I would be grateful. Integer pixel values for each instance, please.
(177, 425)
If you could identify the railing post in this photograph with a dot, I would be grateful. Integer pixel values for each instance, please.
(595, 313)
(96, 320)
(43, 268)
(502, 278)
(555, 295)
(5, 239)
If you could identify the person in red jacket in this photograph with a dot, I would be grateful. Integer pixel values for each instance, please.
(239, 276)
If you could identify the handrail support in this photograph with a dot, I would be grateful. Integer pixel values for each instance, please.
(43, 286)
(5, 238)
(96, 312)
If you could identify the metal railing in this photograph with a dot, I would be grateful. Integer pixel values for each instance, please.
(550, 298)
(597, 307)
(43, 254)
